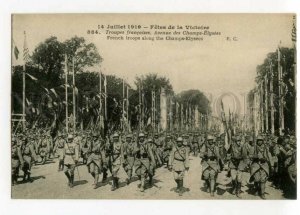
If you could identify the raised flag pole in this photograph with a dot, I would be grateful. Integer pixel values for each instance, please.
(66, 92)
(25, 54)
(74, 97)
(100, 99)
(272, 98)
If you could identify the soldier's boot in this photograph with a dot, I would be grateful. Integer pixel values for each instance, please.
(180, 191)
(256, 188)
(69, 178)
(72, 180)
(212, 187)
(207, 186)
(62, 165)
(262, 190)
(114, 184)
(96, 180)
(104, 175)
(140, 179)
(93, 174)
(142, 188)
(238, 189)
(25, 175)
(150, 180)
(13, 179)
(129, 173)
(177, 187)
(117, 182)
(29, 178)
(234, 187)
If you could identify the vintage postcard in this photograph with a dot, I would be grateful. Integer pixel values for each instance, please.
(153, 106)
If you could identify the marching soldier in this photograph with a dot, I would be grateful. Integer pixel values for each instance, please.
(128, 157)
(28, 156)
(84, 148)
(60, 150)
(16, 157)
(168, 145)
(260, 166)
(94, 160)
(143, 158)
(71, 159)
(158, 149)
(117, 157)
(179, 163)
(210, 156)
(44, 148)
(236, 164)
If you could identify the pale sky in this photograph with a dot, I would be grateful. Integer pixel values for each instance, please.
(213, 66)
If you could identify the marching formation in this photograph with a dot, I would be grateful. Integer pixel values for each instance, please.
(266, 157)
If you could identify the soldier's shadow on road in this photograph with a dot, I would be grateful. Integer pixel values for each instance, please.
(47, 162)
(104, 183)
(34, 178)
(81, 182)
(153, 184)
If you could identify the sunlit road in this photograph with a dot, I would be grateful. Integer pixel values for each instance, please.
(50, 184)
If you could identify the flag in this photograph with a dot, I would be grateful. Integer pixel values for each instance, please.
(16, 51)
(32, 77)
(54, 92)
(25, 50)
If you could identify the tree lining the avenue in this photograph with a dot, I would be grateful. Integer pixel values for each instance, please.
(121, 105)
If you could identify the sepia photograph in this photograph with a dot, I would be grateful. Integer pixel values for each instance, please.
(153, 106)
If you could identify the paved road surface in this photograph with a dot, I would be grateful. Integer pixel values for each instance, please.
(51, 184)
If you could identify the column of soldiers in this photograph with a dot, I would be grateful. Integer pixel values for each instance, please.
(265, 157)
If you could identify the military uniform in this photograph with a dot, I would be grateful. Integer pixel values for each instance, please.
(44, 148)
(210, 156)
(144, 159)
(117, 157)
(94, 160)
(16, 157)
(128, 164)
(179, 163)
(168, 145)
(236, 165)
(28, 156)
(71, 159)
(60, 150)
(260, 168)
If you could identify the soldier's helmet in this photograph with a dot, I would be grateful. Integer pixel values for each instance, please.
(95, 134)
(259, 137)
(141, 135)
(210, 137)
(250, 139)
(179, 139)
(129, 136)
(150, 140)
(116, 135)
(238, 138)
(70, 137)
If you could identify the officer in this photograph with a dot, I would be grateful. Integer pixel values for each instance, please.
(143, 157)
(210, 156)
(179, 163)
(94, 160)
(236, 165)
(260, 168)
(71, 159)
(117, 157)
(60, 150)
(128, 157)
